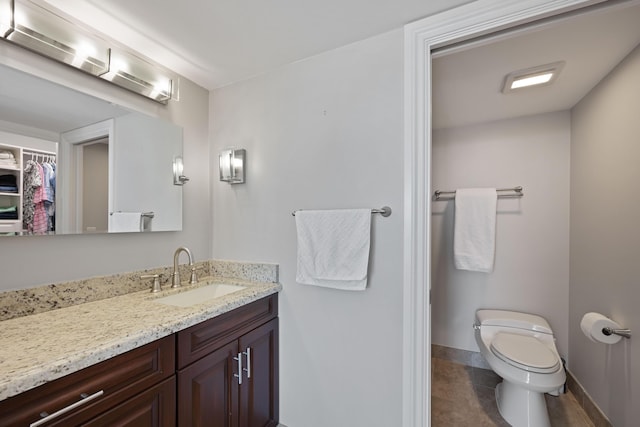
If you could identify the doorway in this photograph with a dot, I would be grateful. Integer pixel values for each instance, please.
(85, 190)
(422, 38)
(92, 182)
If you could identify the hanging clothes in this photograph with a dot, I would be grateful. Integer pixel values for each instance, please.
(39, 189)
(31, 181)
(49, 194)
(40, 217)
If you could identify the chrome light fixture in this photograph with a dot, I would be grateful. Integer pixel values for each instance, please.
(232, 164)
(6, 17)
(37, 29)
(178, 172)
(40, 30)
(138, 75)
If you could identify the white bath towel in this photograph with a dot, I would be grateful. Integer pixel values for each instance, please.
(333, 248)
(474, 239)
(123, 222)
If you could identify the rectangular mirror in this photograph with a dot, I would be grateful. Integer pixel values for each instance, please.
(71, 163)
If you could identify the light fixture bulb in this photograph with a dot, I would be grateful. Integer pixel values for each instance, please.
(534, 76)
(531, 80)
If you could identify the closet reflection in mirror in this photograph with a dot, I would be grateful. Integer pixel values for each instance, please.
(71, 163)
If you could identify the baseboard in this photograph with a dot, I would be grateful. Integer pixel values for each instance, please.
(590, 408)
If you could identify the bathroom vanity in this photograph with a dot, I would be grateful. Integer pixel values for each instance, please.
(157, 365)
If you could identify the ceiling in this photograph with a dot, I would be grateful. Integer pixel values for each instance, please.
(467, 82)
(218, 42)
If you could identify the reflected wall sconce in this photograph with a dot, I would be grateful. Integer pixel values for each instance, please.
(232, 164)
(178, 172)
(40, 30)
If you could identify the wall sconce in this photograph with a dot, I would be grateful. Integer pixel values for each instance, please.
(42, 31)
(178, 170)
(232, 166)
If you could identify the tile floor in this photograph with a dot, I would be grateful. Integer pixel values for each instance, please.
(463, 396)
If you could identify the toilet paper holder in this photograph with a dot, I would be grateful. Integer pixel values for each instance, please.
(626, 333)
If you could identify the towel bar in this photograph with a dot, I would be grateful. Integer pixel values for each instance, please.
(385, 211)
(437, 195)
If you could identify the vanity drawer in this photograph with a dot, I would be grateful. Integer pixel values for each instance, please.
(199, 340)
(100, 387)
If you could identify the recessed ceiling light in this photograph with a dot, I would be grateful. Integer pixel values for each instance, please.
(535, 76)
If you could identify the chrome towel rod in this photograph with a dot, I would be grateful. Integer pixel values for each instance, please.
(143, 214)
(385, 211)
(517, 192)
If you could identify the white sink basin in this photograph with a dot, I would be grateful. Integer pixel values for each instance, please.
(199, 295)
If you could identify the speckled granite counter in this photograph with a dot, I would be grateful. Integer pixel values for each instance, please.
(42, 347)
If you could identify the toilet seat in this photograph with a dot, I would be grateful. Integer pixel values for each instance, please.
(524, 352)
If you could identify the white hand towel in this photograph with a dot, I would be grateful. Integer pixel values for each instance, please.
(333, 248)
(122, 222)
(474, 239)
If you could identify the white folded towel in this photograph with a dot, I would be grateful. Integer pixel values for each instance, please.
(474, 239)
(122, 222)
(333, 248)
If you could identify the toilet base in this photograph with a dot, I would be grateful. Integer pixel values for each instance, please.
(521, 407)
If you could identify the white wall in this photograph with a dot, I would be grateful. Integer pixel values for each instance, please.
(62, 258)
(322, 133)
(605, 238)
(531, 271)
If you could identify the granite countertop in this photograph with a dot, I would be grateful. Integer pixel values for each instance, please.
(38, 348)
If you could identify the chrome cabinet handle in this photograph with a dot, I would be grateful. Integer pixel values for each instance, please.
(239, 374)
(248, 368)
(84, 399)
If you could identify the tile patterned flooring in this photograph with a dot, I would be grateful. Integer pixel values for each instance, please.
(463, 396)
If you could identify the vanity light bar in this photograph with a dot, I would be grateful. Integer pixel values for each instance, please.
(44, 45)
(42, 31)
(6, 17)
(138, 75)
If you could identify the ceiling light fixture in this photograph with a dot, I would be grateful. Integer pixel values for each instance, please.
(541, 75)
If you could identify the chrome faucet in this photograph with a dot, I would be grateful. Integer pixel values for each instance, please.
(176, 272)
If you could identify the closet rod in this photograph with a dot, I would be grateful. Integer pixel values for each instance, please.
(438, 194)
(385, 211)
(32, 151)
(44, 155)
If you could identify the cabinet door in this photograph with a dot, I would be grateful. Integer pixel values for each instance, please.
(208, 390)
(259, 389)
(155, 407)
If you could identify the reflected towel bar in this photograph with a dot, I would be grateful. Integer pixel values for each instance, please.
(517, 192)
(143, 214)
(385, 211)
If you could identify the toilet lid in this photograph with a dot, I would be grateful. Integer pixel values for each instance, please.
(524, 352)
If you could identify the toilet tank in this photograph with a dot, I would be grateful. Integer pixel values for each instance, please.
(513, 319)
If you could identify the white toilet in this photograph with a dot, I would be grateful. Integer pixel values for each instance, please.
(521, 349)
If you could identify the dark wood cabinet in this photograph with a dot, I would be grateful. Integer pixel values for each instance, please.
(235, 384)
(155, 407)
(207, 390)
(227, 376)
(80, 397)
(259, 393)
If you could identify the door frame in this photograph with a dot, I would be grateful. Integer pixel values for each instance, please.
(420, 38)
(69, 194)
